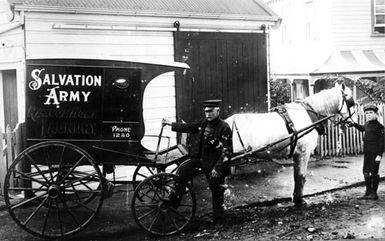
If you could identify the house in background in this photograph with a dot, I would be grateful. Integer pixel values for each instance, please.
(223, 41)
(322, 39)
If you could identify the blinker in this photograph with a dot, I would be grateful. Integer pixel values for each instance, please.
(350, 102)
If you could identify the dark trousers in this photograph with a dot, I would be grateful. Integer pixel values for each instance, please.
(370, 170)
(192, 168)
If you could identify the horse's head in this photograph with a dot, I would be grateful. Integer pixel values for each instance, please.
(345, 109)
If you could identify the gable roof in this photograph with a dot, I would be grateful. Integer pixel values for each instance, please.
(226, 9)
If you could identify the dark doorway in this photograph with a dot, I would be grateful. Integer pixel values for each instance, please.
(227, 66)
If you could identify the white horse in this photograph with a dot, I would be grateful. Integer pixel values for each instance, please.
(253, 131)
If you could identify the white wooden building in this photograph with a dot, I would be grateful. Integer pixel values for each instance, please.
(323, 38)
(119, 30)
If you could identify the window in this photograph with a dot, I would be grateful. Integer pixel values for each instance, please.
(309, 20)
(300, 89)
(379, 16)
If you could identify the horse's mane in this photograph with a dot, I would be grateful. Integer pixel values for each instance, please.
(327, 101)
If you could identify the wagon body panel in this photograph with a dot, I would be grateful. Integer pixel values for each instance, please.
(90, 103)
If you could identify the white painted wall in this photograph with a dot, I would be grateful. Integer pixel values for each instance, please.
(292, 51)
(338, 24)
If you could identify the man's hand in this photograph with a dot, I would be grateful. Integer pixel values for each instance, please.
(214, 173)
(349, 123)
(166, 122)
(378, 158)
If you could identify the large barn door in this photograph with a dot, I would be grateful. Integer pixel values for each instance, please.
(10, 98)
(228, 66)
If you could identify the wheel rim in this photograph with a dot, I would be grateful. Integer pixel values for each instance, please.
(59, 195)
(153, 210)
(143, 172)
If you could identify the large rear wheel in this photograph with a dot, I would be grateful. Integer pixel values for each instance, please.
(155, 212)
(53, 189)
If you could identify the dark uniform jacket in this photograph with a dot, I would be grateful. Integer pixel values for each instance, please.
(373, 136)
(215, 142)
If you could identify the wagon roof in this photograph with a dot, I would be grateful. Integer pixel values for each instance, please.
(221, 9)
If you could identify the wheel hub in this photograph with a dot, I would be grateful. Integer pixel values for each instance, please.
(53, 191)
(163, 206)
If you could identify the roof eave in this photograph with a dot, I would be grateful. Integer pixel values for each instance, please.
(266, 19)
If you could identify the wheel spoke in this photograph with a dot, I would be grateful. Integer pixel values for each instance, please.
(148, 213)
(32, 179)
(37, 167)
(172, 219)
(27, 201)
(46, 216)
(155, 219)
(60, 162)
(59, 217)
(26, 189)
(71, 170)
(70, 212)
(80, 179)
(34, 212)
(49, 164)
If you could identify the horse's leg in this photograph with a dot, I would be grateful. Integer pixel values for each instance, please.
(300, 167)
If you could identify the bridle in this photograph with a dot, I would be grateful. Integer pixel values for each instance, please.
(349, 103)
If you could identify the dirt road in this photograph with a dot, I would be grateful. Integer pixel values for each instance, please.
(337, 215)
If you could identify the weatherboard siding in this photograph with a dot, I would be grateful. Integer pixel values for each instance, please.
(352, 26)
(43, 41)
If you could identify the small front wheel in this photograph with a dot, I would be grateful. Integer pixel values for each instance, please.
(155, 212)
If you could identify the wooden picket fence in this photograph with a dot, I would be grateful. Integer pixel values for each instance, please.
(349, 142)
(12, 142)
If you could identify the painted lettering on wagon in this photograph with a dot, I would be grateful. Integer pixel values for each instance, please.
(121, 132)
(55, 95)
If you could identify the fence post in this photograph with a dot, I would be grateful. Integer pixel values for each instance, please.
(9, 151)
(3, 164)
(24, 166)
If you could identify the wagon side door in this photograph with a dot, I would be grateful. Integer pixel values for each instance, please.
(122, 121)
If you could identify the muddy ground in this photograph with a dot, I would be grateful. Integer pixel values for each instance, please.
(331, 216)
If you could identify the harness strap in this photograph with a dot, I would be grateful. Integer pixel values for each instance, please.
(281, 110)
(239, 135)
(314, 116)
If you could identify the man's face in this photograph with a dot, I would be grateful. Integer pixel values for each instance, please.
(211, 113)
(370, 115)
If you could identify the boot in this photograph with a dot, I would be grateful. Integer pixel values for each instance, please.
(218, 209)
(368, 184)
(174, 200)
(375, 181)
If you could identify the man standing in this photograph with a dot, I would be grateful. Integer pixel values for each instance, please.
(210, 156)
(373, 149)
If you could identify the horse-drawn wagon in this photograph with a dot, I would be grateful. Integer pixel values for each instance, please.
(84, 116)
